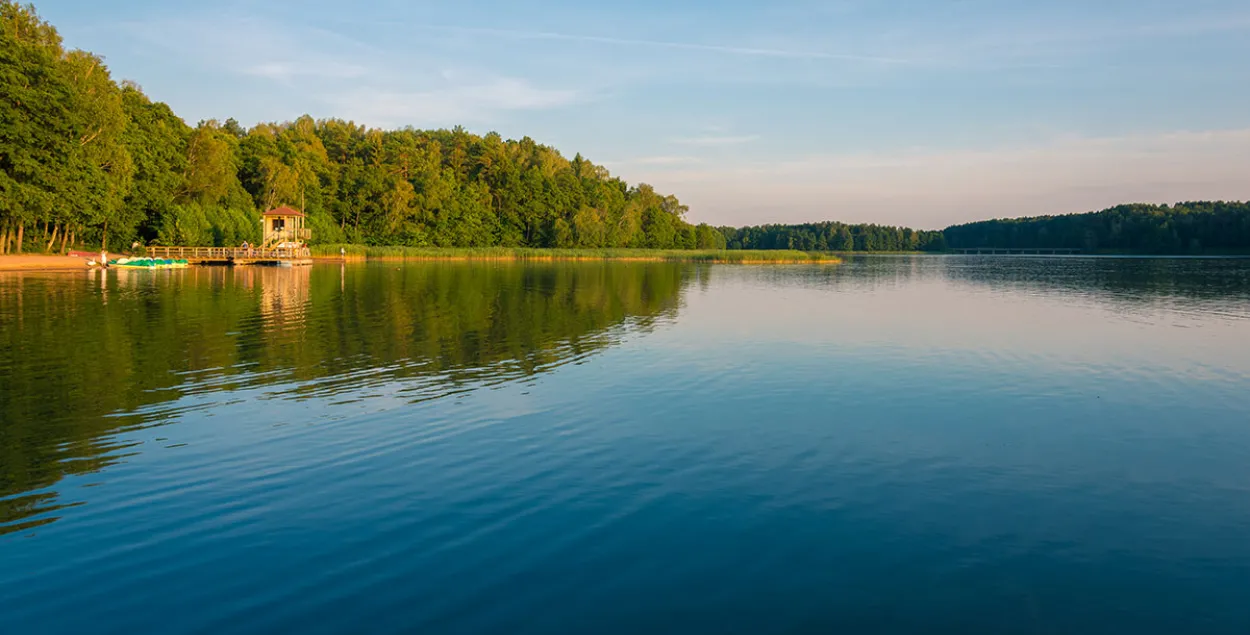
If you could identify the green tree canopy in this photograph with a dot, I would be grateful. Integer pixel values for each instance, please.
(84, 157)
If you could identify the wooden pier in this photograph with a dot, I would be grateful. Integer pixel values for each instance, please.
(1017, 251)
(232, 256)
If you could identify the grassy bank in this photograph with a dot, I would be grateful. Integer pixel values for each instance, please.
(358, 252)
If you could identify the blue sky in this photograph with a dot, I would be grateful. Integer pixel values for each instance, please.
(908, 112)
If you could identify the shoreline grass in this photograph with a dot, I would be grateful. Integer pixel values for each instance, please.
(362, 252)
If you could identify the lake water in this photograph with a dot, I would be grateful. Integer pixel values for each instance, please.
(895, 444)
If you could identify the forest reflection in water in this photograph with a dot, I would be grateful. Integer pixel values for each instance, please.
(88, 356)
(954, 443)
(1206, 285)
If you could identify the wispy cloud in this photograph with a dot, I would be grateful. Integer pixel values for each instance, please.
(258, 48)
(1059, 38)
(915, 46)
(716, 140)
(1194, 23)
(289, 70)
(350, 79)
(668, 44)
(476, 102)
(659, 161)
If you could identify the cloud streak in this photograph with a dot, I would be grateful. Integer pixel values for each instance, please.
(716, 140)
(350, 79)
(747, 51)
(657, 161)
(287, 71)
(257, 48)
(477, 102)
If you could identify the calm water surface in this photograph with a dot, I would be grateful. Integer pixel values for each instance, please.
(928, 444)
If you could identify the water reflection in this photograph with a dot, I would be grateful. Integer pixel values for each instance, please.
(896, 444)
(1203, 284)
(1215, 283)
(87, 356)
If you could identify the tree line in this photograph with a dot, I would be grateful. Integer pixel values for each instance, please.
(85, 160)
(1194, 227)
(1183, 228)
(833, 236)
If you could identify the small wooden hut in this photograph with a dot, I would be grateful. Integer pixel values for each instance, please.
(283, 228)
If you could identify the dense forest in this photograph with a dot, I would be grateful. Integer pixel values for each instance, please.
(831, 236)
(1161, 229)
(86, 160)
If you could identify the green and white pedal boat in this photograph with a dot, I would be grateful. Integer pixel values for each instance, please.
(148, 263)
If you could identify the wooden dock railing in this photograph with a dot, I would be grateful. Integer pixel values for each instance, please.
(228, 253)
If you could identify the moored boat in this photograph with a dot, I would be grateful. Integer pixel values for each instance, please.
(149, 263)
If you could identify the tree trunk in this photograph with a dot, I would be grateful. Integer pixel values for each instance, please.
(55, 230)
(4, 240)
(66, 240)
(104, 237)
(21, 235)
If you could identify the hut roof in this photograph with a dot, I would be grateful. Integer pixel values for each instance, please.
(283, 211)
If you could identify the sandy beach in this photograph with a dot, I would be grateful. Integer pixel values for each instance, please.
(40, 262)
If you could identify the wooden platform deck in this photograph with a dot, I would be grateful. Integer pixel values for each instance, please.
(233, 256)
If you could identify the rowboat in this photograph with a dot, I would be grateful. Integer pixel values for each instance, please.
(148, 263)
